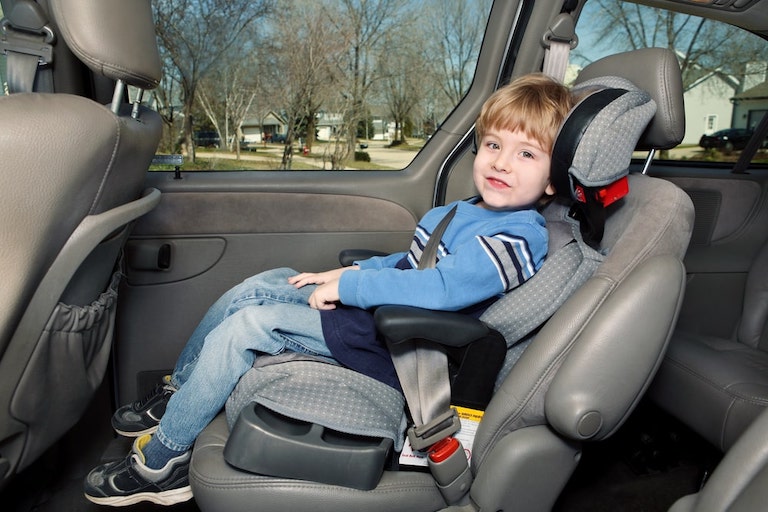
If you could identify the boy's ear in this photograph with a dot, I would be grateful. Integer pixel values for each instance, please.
(550, 190)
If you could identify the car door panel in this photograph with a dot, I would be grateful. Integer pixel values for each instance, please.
(202, 239)
(730, 228)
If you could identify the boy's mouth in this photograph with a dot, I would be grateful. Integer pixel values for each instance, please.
(496, 183)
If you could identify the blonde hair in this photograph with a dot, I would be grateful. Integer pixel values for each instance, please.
(535, 104)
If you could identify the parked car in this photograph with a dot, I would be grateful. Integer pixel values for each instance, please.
(728, 140)
(247, 145)
(207, 139)
(186, 236)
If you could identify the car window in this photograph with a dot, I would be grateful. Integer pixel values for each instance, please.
(303, 85)
(3, 79)
(724, 84)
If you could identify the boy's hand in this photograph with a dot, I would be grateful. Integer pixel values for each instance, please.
(325, 296)
(306, 278)
(327, 293)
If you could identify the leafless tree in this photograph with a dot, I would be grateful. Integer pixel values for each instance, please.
(703, 47)
(166, 98)
(303, 51)
(360, 27)
(228, 92)
(402, 70)
(454, 52)
(195, 34)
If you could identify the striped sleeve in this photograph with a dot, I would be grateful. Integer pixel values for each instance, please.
(512, 258)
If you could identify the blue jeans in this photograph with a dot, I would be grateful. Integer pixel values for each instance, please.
(263, 314)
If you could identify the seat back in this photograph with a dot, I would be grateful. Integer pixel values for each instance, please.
(738, 482)
(754, 314)
(72, 179)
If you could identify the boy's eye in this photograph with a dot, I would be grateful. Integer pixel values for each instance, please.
(493, 145)
(526, 154)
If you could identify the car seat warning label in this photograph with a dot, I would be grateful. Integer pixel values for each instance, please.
(470, 419)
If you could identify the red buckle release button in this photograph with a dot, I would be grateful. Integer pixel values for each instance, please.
(443, 449)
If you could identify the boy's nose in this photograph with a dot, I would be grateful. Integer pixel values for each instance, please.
(501, 165)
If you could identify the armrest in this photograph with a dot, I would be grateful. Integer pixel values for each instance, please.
(401, 323)
(348, 256)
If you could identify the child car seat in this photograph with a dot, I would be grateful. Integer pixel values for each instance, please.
(575, 379)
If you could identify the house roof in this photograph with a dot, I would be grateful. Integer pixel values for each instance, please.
(758, 92)
(269, 116)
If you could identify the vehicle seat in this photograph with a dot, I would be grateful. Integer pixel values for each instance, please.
(718, 386)
(73, 173)
(738, 483)
(576, 380)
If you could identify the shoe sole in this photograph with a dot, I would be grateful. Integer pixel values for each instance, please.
(160, 498)
(150, 430)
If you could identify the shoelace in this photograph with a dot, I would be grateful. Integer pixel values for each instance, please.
(158, 389)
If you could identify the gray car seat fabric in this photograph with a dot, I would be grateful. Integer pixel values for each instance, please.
(718, 386)
(576, 380)
(738, 483)
(72, 180)
(368, 407)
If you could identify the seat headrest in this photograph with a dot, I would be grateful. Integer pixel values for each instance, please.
(115, 38)
(656, 71)
(594, 146)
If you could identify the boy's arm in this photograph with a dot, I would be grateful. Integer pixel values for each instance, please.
(379, 262)
(479, 269)
(326, 295)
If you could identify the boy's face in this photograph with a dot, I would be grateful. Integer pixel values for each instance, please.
(511, 170)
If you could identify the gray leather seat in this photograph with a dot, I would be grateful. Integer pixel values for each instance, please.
(72, 179)
(738, 484)
(718, 386)
(577, 381)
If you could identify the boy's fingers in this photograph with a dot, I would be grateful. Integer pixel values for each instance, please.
(303, 279)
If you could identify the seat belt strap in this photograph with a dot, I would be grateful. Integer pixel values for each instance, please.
(755, 143)
(27, 40)
(21, 71)
(422, 368)
(558, 42)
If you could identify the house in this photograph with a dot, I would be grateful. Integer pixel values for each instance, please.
(730, 104)
(265, 128)
(708, 106)
(328, 125)
(750, 106)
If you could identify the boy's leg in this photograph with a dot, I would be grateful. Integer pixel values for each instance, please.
(228, 352)
(270, 287)
(142, 417)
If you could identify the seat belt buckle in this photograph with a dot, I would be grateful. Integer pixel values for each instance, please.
(37, 45)
(450, 469)
(445, 425)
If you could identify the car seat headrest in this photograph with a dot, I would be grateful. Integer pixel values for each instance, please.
(114, 38)
(656, 71)
(593, 148)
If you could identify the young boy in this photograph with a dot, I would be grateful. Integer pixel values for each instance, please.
(495, 242)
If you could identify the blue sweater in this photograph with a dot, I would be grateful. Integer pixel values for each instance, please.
(482, 255)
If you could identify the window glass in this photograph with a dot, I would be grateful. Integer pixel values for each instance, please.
(724, 71)
(308, 84)
(3, 79)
